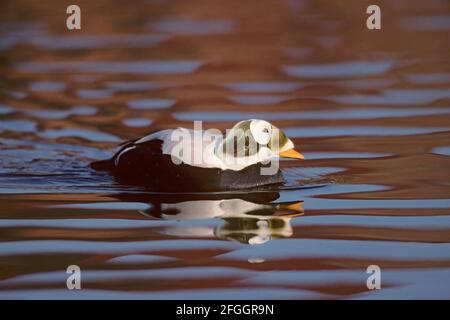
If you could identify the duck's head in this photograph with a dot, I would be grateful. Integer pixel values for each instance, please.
(254, 141)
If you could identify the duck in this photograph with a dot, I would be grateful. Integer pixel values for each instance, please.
(196, 160)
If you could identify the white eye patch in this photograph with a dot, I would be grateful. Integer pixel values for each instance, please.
(261, 131)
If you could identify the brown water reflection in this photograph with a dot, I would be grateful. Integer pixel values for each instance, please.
(369, 108)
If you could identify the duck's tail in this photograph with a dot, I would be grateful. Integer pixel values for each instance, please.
(103, 165)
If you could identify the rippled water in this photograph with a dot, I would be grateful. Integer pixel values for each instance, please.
(370, 110)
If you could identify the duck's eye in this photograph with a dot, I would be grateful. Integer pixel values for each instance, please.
(260, 131)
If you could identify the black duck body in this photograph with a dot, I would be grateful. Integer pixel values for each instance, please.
(145, 165)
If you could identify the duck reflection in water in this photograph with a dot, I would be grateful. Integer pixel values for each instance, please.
(252, 218)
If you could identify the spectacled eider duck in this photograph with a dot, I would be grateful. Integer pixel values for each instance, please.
(195, 160)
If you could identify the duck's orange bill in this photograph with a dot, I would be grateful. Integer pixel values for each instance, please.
(296, 206)
(291, 153)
